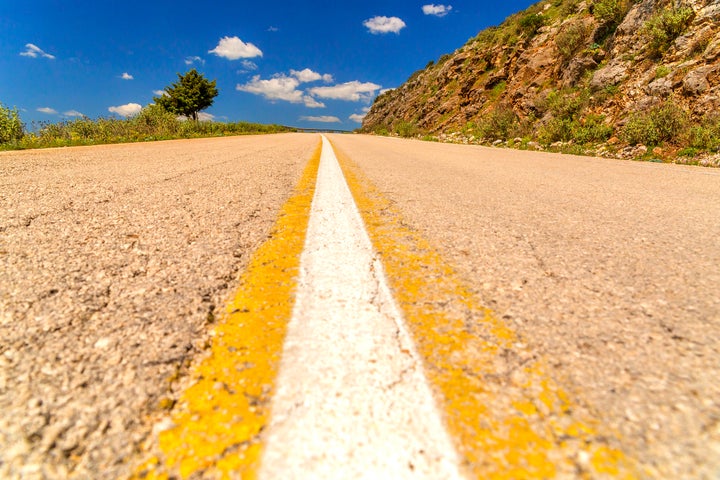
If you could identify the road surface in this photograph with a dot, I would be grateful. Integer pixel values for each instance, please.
(128, 270)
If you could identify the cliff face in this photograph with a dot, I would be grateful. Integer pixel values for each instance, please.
(596, 66)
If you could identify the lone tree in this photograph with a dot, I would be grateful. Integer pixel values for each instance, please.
(190, 94)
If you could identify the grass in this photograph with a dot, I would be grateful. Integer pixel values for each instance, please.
(151, 124)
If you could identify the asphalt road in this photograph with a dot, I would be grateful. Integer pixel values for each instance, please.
(115, 260)
(609, 269)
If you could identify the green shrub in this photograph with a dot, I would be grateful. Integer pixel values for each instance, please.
(531, 23)
(155, 120)
(501, 123)
(566, 104)
(556, 130)
(671, 121)
(688, 152)
(664, 27)
(664, 123)
(706, 135)
(662, 71)
(610, 12)
(572, 38)
(406, 129)
(566, 7)
(11, 127)
(640, 129)
(592, 129)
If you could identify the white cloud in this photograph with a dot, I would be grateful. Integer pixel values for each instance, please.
(352, 91)
(273, 29)
(279, 87)
(306, 75)
(437, 10)
(33, 51)
(382, 24)
(48, 110)
(310, 102)
(249, 65)
(233, 48)
(74, 113)
(191, 60)
(359, 117)
(206, 117)
(159, 93)
(323, 119)
(127, 76)
(127, 110)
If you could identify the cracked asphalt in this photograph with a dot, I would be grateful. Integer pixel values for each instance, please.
(113, 262)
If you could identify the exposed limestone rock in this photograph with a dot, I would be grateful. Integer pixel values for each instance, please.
(607, 63)
(610, 75)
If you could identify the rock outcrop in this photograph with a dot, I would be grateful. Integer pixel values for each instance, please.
(612, 58)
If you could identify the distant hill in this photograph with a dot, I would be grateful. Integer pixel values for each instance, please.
(610, 77)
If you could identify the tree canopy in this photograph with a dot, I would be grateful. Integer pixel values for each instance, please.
(189, 95)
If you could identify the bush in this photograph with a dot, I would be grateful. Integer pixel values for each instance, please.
(664, 27)
(592, 129)
(706, 135)
(664, 123)
(501, 123)
(641, 129)
(406, 129)
(565, 104)
(11, 128)
(556, 130)
(155, 120)
(610, 12)
(572, 38)
(531, 23)
(662, 71)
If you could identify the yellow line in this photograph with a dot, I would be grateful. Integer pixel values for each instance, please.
(219, 419)
(508, 417)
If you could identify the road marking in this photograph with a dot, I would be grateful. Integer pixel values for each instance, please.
(217, 423)
(351, 399)
(504, 423)
(508, 417)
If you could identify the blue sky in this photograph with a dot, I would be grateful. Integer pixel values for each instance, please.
(306, 64)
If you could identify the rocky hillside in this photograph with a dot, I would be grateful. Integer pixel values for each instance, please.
(617, 77)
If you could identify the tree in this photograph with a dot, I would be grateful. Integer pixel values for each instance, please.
(189, 95)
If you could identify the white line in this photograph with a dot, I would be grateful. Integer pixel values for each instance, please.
(352, 400)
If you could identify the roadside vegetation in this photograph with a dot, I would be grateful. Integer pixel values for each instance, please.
(173, 115)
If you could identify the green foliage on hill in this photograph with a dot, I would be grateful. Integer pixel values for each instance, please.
(152, 123)
(664, 27)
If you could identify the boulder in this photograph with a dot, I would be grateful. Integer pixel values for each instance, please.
(696, 81)
(611, 74)
(576, 69)
(660, 87)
